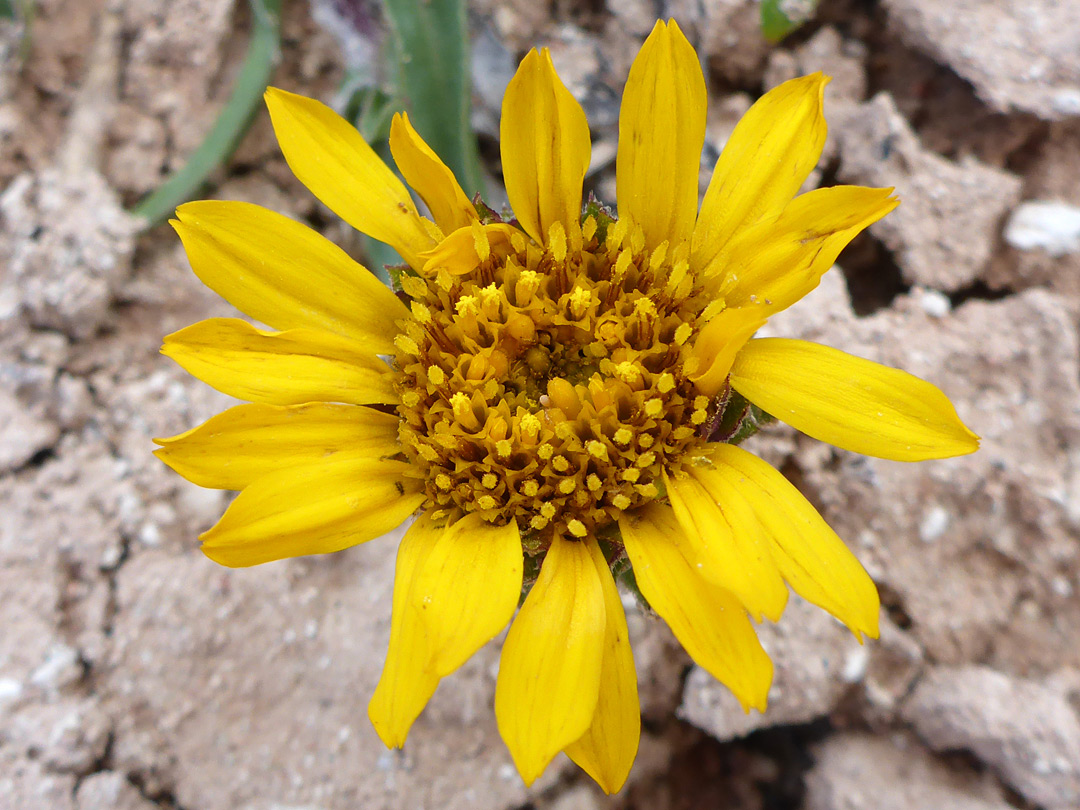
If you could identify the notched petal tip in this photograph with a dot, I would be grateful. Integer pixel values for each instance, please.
(871, 631)
(169, 344)
(189, 210)
(812, 85)
(967, 440)
(755, 695)
(219, 554)
(673, 30)
(200, 214)
(387, 736)
(275, 96)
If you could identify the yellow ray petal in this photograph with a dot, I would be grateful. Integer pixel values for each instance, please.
(607, 750)
(708, 621)
(280, 368)
(468, 589)
(849, 402)
(545, 148)
(232, 449)
(769, 155)
(777, 262)
(737, 561)
(332, 159)
(429, 176)
(813, 560)
(549, 674)
(459, 253)
(407, 681)
(315, 509)
(661, 132)
(715, 348)
(285, 274)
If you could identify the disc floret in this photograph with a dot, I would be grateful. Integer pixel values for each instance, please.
(548, 384)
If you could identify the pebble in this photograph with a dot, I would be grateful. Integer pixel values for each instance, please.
(10, 689)
(1046, 225)
(933, 525)
(60, 668)
(935, 303)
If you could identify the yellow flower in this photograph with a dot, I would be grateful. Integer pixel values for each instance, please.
(551, 393)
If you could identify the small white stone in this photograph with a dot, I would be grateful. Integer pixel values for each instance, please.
(59, 668)
(935, 303)
(9, 302)
(10, 689)
(855, 664)
(933, 525)
(150, 534)
(1045, 225)
(110, 557)
(1061, 586)
(1067, 101)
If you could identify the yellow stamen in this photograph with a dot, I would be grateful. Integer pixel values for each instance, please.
(480, 242)
(557, 242)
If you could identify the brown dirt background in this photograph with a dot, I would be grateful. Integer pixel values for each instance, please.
(135, 674)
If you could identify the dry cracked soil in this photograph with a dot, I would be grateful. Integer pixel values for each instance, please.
(135, 674)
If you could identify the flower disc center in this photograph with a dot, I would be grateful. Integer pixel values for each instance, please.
(545, 383)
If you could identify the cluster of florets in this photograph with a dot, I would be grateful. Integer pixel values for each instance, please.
(546, 382)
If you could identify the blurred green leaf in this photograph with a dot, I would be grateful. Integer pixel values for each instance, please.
(430, 41)
(231, 124)
(780, 17)
(20, 12)
(370, 109)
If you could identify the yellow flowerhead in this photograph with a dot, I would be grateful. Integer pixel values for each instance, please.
(551, 393)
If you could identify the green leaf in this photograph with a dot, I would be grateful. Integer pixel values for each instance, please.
(231, 124)
(780, 17)
(431, 46)
(21, 13)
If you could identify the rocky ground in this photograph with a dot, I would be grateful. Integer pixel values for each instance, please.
(135, 674)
